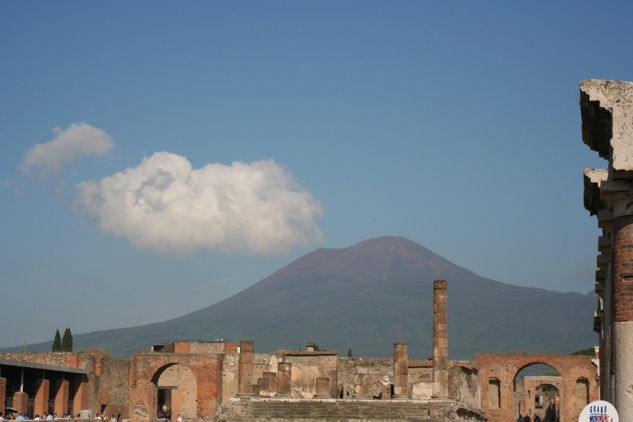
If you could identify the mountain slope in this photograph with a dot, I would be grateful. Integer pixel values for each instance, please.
(368, 296)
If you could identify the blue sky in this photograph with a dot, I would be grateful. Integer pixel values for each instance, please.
(454, 124)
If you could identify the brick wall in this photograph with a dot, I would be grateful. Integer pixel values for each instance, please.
(623, 271)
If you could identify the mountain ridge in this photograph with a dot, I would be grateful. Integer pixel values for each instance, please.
(367, 296)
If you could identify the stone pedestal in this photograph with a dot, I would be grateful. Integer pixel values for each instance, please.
(271, 378)
(40, 405)
(267, 384)
(440, 340)
(400, 371)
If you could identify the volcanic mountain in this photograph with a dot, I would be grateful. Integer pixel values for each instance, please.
(365, 298)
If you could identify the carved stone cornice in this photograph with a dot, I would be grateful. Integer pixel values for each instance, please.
(606, 108)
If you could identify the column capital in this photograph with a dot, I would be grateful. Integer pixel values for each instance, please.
(617, 195)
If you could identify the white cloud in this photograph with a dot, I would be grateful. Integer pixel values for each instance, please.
(165, 205)
(78, 141)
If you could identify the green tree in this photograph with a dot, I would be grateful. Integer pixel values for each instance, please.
(67, 341)
(57, 343)
(349, 353)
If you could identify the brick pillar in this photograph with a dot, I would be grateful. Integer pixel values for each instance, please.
(3, 394)
(21, 402)
(80, 401)
(623, 316)
(245, 373)
(323, 387)
(61, 398)
(283, 379)
(400, 371)
(40, 405)
(440, 340)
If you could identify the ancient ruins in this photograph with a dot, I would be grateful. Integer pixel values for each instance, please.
(226, 381)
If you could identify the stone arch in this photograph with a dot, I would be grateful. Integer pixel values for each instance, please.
(505, 367)
(524, 395)
(146, 369)
(176, 391)
(535, 361)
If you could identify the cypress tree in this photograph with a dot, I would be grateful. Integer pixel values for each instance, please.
(57, 343)
(67, 341)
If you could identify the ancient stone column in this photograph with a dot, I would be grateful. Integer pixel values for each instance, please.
(400, 371)
(245, 372)
(623, 316)
(606, 108)
(40, 404)
(283, 379)
(440, 340)
(322, 387)
(21, 402)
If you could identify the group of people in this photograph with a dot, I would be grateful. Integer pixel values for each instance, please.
(527, 418)
(48, 417)
(22, 417)
(550, 416)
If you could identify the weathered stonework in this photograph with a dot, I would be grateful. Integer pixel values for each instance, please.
(606, 108)
(217, 380)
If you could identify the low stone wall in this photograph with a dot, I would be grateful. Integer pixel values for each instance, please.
(45, 358)
(433, 410)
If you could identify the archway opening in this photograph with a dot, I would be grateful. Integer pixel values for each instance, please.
(581, 395)
(176, 392)
(494, 393)
(537, 392)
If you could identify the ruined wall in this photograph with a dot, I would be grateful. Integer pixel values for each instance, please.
(180, 380)
(230, 370)
(420, 379)
(107, 386)
(146, 367)
(306, 369)
(375, 375)
(68, 359)
(201, 347)
(263, 362)
(275, 410)
(463, 384)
